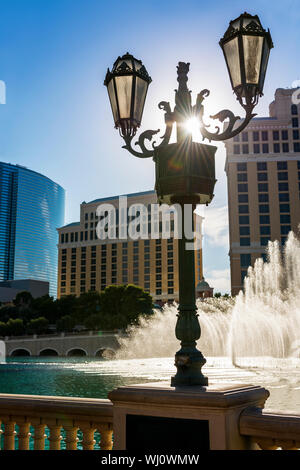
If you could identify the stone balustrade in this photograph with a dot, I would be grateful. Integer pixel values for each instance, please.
(54, 423)
(271, 430)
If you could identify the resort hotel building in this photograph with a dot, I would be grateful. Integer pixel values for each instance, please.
(263, 171)
(31, 209)
(89, 263)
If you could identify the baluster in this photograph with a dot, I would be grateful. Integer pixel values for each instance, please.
(289, 445)
(88, 441)
(106, 437)
(71, 437)
(9, 435)
(55, 437)
(39, 437)
(23, 436)
(267, 444)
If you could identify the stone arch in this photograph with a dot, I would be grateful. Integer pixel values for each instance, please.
(76, 352)
(18, 352)
(105, 353)
(48, 352)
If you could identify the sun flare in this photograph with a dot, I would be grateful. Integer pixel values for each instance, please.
(192, 125)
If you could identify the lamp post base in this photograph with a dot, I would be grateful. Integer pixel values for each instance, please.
(189, 365)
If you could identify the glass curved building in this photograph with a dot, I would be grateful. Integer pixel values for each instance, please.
(31, 210)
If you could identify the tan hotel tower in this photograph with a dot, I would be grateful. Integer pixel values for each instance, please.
(263, 171)
(87, 263)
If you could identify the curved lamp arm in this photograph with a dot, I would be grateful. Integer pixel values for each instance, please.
(229, 132)
(148, 135)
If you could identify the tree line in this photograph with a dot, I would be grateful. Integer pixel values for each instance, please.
(116, 307)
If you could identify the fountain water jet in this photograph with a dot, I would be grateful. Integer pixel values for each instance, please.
(264, 320)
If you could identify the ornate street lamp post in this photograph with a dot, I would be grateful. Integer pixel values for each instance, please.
(185, 170)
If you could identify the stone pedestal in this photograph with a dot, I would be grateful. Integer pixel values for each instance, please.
(157, 417)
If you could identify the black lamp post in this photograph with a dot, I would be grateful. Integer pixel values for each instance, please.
(185, 170)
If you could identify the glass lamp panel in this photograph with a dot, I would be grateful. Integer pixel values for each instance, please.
(113, 101)
(231, 50)
(139, 99)
(124, 92)
(265, 60)
(252, 57)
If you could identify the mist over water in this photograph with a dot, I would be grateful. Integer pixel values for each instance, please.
(264, 320)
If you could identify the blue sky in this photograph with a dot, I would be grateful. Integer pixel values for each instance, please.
(57, 119)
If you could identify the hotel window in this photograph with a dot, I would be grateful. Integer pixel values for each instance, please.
(245, 260)
(265, 230)
(170, 291)
(242, 167)
(245, 136)
(284, 207)
(236, 138)
(243, 188)
(158, 292)
(284, 197)
(284, 135)
(296, 146)
(244, 220)
(245, 148)
(283, 186)
(264, 135)
(244, 241)
(294, 109)
(282, 175)
(275, 135)
(263, 208)
(262, 176)
(263, 197)
(265, 148)
(236, 149)
(261, 166)
(62, 238)
(264, 219)
(285, 219)
(281, 165)
(263, 187)
(264, 241)
(244, 209)
(276, 148)
(256, 148)
(244, 231)
(243, 275)
(296, 134)
(243, 198)
(295, 122)
(170, 269)
(285, 229)
(285, 147)
(242, 177)
(256, 136)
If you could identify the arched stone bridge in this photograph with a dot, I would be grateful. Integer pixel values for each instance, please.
(91, 345)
